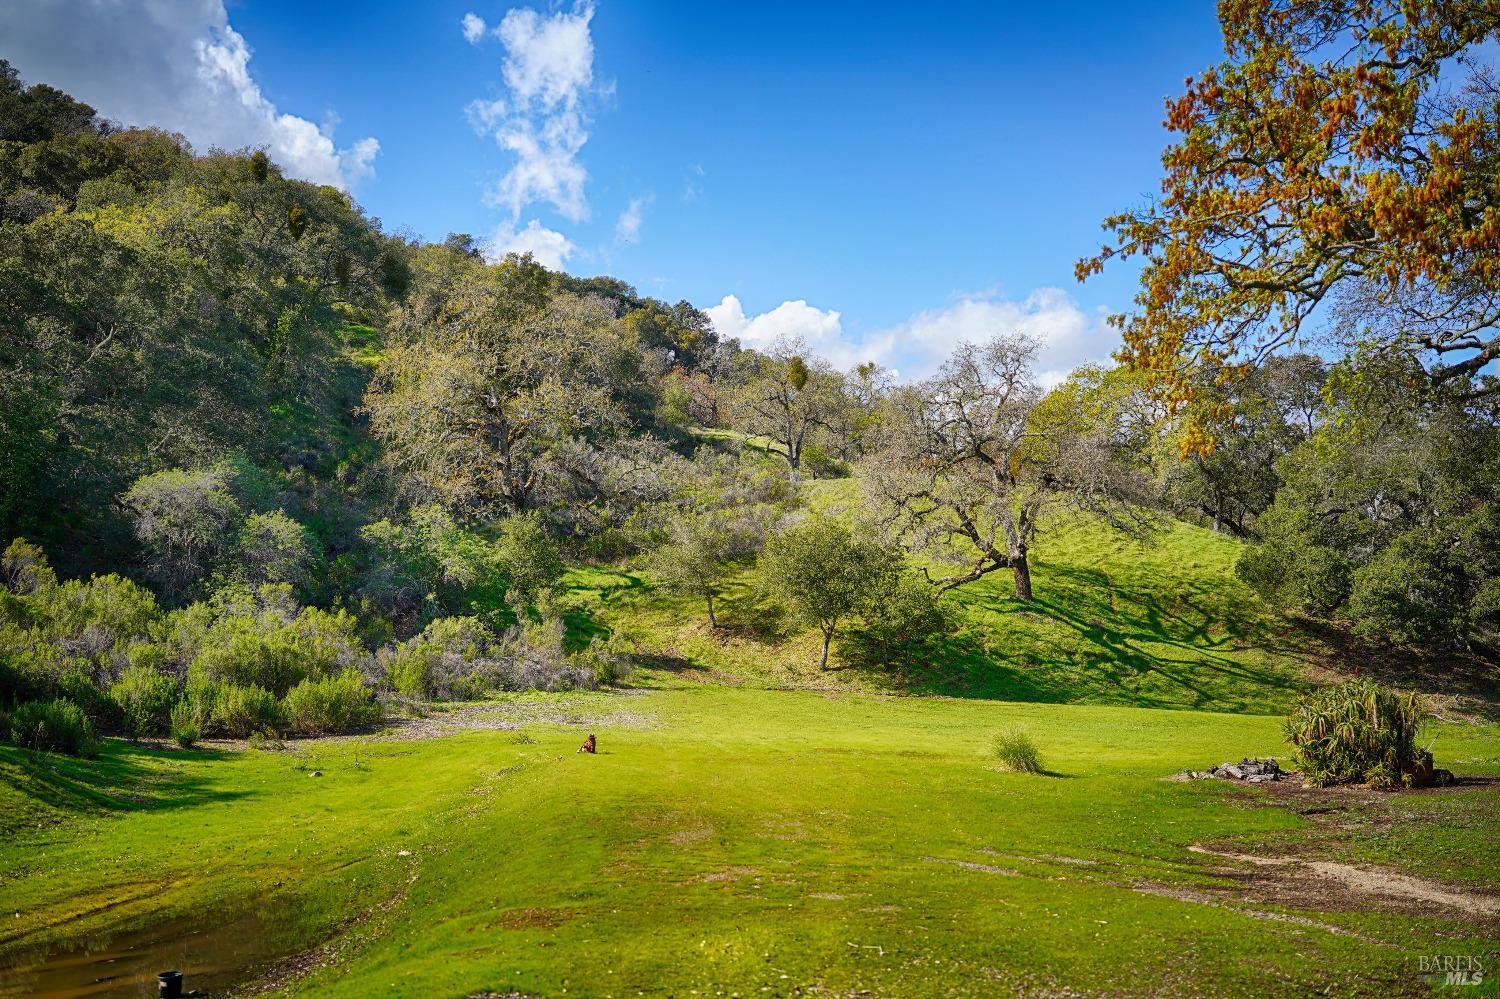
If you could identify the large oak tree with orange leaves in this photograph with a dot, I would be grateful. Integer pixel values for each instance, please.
(1342, 169)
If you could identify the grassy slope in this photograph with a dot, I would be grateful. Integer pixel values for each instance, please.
(1163, 624)
(722, 840)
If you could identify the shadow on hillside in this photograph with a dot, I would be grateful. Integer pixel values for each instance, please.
(1469, 683)
(1081, 639)
(118, 780)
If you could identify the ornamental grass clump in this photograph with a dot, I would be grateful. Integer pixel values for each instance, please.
(1015, 751)
(1356, 731)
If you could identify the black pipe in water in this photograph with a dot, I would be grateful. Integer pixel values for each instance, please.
(169, 985)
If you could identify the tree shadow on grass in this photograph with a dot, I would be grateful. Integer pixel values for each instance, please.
(1471, 681)
(119, 779)
(1082, 639)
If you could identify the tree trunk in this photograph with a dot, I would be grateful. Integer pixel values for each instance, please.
(827, 637)
(1021, 569)
(712, 621)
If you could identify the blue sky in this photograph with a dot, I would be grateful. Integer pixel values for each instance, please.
(909, 176)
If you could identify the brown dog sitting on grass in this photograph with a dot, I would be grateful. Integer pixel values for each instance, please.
(588, 745)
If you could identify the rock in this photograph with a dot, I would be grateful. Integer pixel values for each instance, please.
(315, 773)
(1443, 778)
(1233, 771)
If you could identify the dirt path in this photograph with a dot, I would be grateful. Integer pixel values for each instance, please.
(1369, 881)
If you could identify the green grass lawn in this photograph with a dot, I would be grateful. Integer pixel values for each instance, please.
(738, 841)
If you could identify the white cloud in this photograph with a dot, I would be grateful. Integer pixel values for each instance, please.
(918, 346)
(1069, 335)
(473, 27)
(177, 64)
(550, 247)
(628, 227)
(548, 70)
(822, 329)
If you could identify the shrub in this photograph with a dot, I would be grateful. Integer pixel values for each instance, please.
(426, 566)
(241, 711)
(144, 698)
(29, 669)
(608, 660)
(530, 559)
(24, 568)
(1355, 731)
(185, 521)
(53, 726)
(274, 548)
(447, 660)
(186, 726)
(270, 651)
(819, 464)
(77, 686)
(900, 624)
(331, 705)
(1015, 751)
(200, 696)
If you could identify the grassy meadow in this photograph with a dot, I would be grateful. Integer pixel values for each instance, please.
(754, 826)
(735, 841)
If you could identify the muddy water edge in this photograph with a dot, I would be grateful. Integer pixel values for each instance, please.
(214, 951)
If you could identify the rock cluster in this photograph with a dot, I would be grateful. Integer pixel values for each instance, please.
(1253, 771)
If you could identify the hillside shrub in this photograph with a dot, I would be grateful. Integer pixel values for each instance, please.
(449, 659)
(243, 710)
(144, 699)
(899, 625)
(277, 654)
(187, 729)
(198, 701)
(424, 567)
(608, 660)
(331, 705)
(29, 669)
(274, 548)
(1016, 752)
(78, 686)
(58, 726)
(530, 560)
(1359, 730)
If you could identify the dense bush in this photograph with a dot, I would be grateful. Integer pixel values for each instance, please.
(73, 637)
(144, 699)
(186, 727)
(1388, 516)
(331, 705)
(240, 711)
(899, 625)
(274, 548)
(609, 659)
(186, 521)
(530, 560)
(53, 726)
(449, 659)
(424, 567)
(1355, 731)
(276, 648)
